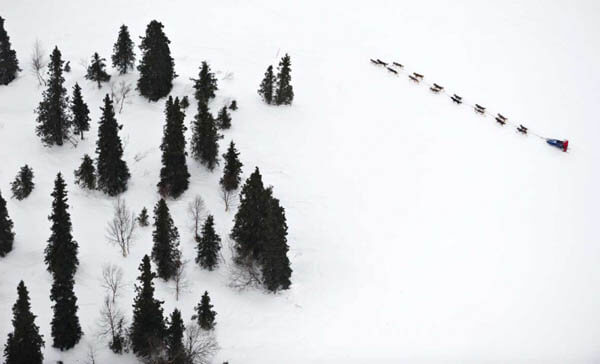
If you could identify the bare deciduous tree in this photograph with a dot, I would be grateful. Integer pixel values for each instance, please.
(180, 278)
(113, 325)
(244, 276)
(200, 345)
(196, 211)
(91, 355)
(112, 280)
(38, 62)
(228, 197)
(121, 228)
(119, 93)
(242, 273)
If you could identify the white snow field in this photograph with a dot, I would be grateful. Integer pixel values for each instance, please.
(419, 232)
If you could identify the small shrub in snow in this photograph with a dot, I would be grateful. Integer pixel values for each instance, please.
(85, 175)
(23, 184)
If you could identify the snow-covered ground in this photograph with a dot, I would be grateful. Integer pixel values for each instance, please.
(419, 231)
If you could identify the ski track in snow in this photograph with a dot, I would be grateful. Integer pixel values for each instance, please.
(418, 233)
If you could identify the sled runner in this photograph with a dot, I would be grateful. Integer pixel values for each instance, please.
(392, 70)
(560, 144)
(416, 79)
(397, 64)
(418, 75)
(374, 61)
(381, 62)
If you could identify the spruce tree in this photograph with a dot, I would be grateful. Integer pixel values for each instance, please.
(97, 70)
(174, 175)
(66, 330)
(85, 175)
(260, 234)
(113, 172)
(174, 341)
(24, 344)
(166, 241)
(53, 119)
(249, 231)
(224, 120)
(285, 92)
(157, 69)
(209, 245)
(67, 67)
(148, 329)
(9, 64)
(118, 341)
(205, 84)
(61, 251)
(205, 136)
(185, 102)
(143, 217)
(266, 86)
(233, 106)
(205, 314)
(7, 236)
(23, 184)
(275, 265)
(123, 57)
(233, 168)
(80, 112)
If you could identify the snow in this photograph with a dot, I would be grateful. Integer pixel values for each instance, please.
(419, 231)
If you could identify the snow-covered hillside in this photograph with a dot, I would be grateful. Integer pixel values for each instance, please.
(419, 232)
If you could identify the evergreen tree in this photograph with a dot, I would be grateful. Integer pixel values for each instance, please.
(233, 106)
(174, 175)
(205, 314)
(118, 341)
(285, 92)
(205, 146)
(113, 172)
(142, 219)
(174, 342)
(148, 328)
(66, 330)
(24, 345)
(224, 119)
(96, 70)
(260, 234)
(205, 85)
(209, 245)
(23, 184)
(61, 252)
(157, 69)
(233, 168)
(53, 119)
(275, 265)
(266, 86)
(166, 241)
(9, 64)
(85, 175)
(249, 228)
(7, 236)
(185, 102)
(67, 67)
(123, 57)
(80, 112)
